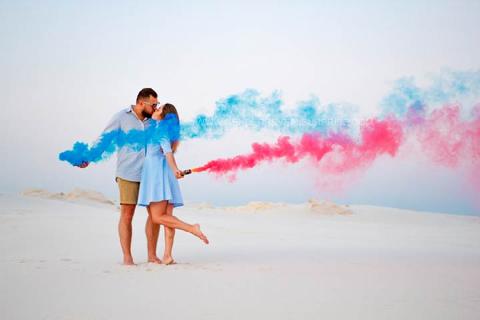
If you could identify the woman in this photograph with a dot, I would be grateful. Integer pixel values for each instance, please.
(159, 189)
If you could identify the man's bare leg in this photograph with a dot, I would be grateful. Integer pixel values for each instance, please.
(158, 210)
(125, 231)
(169, 236)
(152, 230)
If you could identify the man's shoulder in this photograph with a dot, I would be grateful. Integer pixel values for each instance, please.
(125, 112)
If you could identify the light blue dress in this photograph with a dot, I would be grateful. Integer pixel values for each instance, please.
(158, 182)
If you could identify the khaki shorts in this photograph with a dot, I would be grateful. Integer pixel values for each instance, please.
(128, 191)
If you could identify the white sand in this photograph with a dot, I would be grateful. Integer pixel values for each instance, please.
(60, 260)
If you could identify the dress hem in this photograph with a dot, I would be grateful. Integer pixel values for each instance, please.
(175, 204)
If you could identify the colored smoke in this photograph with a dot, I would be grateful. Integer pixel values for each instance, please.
(110, 141)
(377, 137)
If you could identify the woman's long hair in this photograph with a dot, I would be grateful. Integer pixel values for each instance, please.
(170, 108)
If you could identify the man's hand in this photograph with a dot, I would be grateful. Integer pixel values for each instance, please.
(84, 164)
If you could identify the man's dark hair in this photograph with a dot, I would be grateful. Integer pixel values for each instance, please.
(145, 93)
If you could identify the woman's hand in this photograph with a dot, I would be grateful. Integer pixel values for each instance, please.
(179, 174)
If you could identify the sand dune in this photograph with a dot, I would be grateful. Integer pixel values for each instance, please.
(76, 195)
(320, 207)
(328, 207)
(61, 260)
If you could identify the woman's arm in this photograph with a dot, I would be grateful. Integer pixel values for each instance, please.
(175, 146)
(168, 152)
(173, 165)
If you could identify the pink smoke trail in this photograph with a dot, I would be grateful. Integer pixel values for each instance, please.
(338, 151)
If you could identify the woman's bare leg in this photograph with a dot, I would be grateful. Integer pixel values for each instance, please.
(151, 231)
(169, 236)
(158, 210)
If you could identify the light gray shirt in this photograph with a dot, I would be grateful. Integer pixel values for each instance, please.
(129, 161)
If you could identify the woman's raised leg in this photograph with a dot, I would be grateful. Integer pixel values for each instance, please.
(158, 210)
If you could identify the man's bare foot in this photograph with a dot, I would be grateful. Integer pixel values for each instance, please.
(128, 261)
(154, 259)
(168, 260)
(198, 233)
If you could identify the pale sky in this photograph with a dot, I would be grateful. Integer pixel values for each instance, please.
(67, 67)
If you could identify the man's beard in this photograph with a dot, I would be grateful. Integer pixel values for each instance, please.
(146, 114)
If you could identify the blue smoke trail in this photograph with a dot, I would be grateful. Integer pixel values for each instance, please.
(109, 142)
(447, 87)
(248, 110)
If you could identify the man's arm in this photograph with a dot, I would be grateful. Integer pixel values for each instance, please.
(113, 124)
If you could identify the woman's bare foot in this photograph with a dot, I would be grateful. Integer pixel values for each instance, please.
(168, 260)
(198, 233)
(154, 259)
(128, 261)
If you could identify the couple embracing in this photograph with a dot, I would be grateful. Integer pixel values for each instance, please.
(149, 178)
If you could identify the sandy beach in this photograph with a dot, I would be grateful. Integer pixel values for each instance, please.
(61, 260)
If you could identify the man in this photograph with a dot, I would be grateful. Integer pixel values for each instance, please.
(128, 173)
